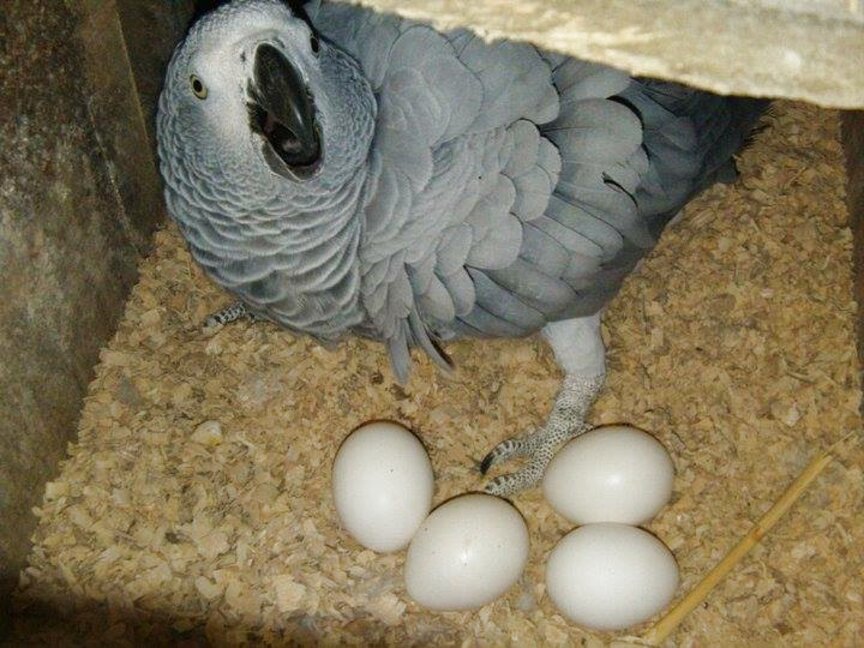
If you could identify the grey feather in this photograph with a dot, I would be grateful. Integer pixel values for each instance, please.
(539, 291)
(495, 233)
(370, 40)
(462, 290)
(532, 194)
(516, 83)
(497, 243)
(400, 356)
(505, 304)
(581, 80)
(584, 224)
(542, 250)
(453, 248)
(422, 339)
(524, 148)
(599, 131)
(436, 302)
(481, 323)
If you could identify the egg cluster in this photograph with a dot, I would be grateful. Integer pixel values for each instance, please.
(606, 574)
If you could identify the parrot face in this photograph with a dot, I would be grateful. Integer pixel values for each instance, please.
(238, 93)
(264, 133)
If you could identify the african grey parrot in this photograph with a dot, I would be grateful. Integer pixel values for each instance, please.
(341, 171)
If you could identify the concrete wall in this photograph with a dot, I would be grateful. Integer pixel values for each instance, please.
(79, 199)
(853, 144)
(802, 49)
(151, 29)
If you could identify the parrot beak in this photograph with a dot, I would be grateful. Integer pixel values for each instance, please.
(282, 111)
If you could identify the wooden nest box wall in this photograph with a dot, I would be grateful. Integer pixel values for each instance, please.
(80, 196)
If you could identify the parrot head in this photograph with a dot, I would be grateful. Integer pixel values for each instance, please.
(247, 92)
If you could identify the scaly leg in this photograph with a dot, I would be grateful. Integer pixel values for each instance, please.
(579, 351)
(230, 313)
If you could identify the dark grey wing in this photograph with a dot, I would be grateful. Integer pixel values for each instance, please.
(691, 137)
(567, 261)
(630, 161)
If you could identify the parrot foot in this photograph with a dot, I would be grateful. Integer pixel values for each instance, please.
(230, 313)
(566, 421)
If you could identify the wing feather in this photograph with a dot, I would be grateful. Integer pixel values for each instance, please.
(508, 187)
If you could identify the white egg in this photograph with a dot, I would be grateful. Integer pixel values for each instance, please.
(610, 576)
(610, 474)
(382, 485)
(467, 553)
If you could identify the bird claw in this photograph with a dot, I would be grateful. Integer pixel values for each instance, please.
(508, 449)
(566, 421)
(538, 447)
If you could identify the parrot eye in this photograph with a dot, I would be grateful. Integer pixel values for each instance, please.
(314, 44)
(198, 87)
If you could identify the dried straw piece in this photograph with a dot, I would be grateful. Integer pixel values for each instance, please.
(665, 626)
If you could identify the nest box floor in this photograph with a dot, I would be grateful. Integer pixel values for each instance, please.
(733, 344)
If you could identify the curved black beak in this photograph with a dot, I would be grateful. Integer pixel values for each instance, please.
(282, 111)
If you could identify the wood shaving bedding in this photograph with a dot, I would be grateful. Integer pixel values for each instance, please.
(195, 507)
